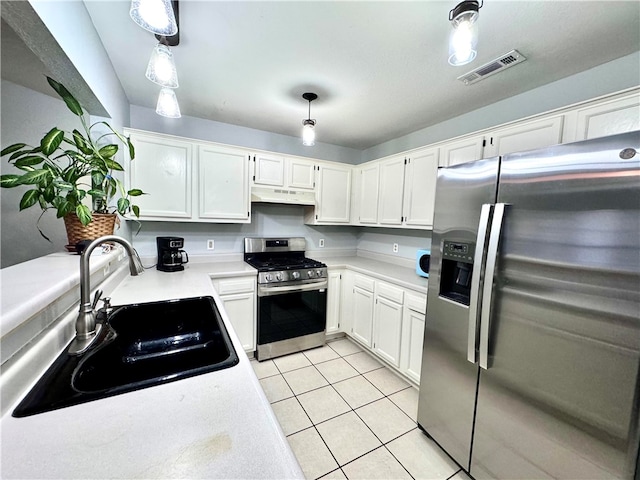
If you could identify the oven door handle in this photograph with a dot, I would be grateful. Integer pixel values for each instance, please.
(264, 291)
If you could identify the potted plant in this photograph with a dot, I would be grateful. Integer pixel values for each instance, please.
(69, 166)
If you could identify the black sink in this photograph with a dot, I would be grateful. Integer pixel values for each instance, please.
(139, 346)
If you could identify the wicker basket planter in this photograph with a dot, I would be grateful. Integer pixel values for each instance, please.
(102, 224)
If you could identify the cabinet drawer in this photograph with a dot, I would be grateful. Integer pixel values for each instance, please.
(417, 303)
(364, 283)
(235, 285)
(390, 292)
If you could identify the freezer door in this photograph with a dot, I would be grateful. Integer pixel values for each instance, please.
(448, 380)
(559, 397)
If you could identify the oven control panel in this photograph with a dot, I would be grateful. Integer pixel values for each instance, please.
(302, 275)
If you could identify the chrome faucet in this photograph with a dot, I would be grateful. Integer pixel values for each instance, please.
(86, 328)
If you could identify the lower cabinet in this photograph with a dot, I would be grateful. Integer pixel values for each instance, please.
(334, 301)
(238, 294)
(386, 319)
(413, 316)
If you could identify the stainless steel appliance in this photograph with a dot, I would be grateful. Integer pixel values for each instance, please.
(171, 257)
(292, 296)
(532, 341)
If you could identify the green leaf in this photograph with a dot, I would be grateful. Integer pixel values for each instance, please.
(29, 199)
(108, 151)
(84, 214)
(69, 99)
(49, 194)
(123, 205)
(61, 185)
(34, 177)
(132, 151)
(97, 178)
(64, 208)
(81, 143)
(135, 192)
(113, 165)
(51, 141)
(136, 210)
(96, 192)
(12, 148)
(28, 161)
(10, 181)
(19, 154)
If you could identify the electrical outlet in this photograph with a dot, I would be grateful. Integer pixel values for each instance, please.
(321, 243)
(395, 248)
(210, 245)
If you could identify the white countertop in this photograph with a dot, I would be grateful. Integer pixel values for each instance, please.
(216, 425)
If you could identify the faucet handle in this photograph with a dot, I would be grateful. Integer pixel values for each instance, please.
(107, 305)
(96, 298)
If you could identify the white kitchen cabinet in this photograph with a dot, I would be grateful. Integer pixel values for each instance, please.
(223, 184)
(608, 118)
(525, 136)
(421, 173)
(415, 308)
(333, 195)
(462, 151)
(178, 173)
(363, 309)
(162, 169)
(286, 172)
(391, 196)
(369, 176)
(238, 294)
(334, 300)
(387, 323)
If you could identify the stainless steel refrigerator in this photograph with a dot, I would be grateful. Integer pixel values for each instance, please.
(532, 342)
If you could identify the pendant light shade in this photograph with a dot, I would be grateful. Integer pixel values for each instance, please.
(464, 37)
(157, 16)
(161, 68)
(168, 104)
(309, 125)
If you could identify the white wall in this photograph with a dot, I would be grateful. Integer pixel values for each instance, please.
(604, 79)
(381, 240)
(191, 127)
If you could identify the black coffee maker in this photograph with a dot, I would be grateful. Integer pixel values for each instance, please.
(171, 257)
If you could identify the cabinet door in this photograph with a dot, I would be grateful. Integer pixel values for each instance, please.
(362, 327)
(526, 136)
(609, 118)
(162, 169)
(333, 194)
(391, 195)
(421, 173)
(334, 295)
(223, 184)
(241, 311)
(412, 343)
(368, 199)
(268, 170)
(462, 151)
(300, 174)
(388, 330)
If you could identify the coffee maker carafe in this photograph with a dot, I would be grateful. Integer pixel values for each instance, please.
(171, 257)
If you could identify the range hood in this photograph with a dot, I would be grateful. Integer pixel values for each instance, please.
(282, 195)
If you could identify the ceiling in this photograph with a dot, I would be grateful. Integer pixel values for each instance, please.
(379, 68)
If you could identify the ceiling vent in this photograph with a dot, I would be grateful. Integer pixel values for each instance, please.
(501, 63)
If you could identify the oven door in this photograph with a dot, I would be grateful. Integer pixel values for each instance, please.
(291, 311)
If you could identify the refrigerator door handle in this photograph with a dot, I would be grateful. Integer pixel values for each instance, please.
(487, 291)
(472, 339)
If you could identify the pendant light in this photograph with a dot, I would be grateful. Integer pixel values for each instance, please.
(162, 68)
(464, 37)
(308, 125)
(168, 104)
(157, 16)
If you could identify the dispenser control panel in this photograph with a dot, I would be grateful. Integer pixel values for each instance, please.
(458, 251)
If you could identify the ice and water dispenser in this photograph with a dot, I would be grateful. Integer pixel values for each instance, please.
(457, 266)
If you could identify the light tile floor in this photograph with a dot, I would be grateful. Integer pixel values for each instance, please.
(346, 415)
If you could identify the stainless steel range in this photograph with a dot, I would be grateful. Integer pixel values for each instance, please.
(292, 296)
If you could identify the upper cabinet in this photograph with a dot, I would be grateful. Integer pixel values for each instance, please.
(189, 180)
(286, 172)
(333, 195)
(608, 118)
(391, 196)
(462, 151)
(525, 136)
(369, 180)
(421, 173)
